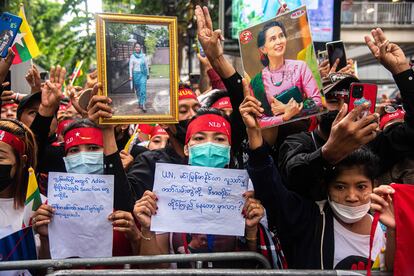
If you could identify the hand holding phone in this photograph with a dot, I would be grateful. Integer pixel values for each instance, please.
(336, 50)
(361, 93)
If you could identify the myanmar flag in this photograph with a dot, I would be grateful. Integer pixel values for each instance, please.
(25, 45)
(33, 199)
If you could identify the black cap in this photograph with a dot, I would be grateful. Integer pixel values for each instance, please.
(27, 101)
(337, 81)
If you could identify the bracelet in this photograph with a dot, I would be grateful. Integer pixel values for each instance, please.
(251, 239)
(146, 238)
(17, 97)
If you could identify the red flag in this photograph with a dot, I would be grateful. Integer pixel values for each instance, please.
(404, 229)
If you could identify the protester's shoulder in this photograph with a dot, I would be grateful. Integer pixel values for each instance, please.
(153, 156)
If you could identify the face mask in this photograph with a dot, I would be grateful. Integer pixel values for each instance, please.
(349, 214)
(5, 178)
(209, 155)
(326, 120)
(181, 128)
(84, 162)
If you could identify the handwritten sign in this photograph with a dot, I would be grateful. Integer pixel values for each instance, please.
(199, 200)
(80, 226)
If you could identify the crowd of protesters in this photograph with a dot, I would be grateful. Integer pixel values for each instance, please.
(317, 182)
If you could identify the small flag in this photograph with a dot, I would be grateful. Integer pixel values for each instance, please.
(24, 45)
(33, 199)
(19, 246)
(77, 72)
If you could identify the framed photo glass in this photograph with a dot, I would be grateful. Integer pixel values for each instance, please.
(137, 66)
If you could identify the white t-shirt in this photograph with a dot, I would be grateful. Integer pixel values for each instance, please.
(352, 248)
(10, 218)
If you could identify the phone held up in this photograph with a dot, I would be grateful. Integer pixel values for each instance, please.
(336, 50)
(9, 27)
(361, 93)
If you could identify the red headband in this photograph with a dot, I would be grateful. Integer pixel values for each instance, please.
(83, 136)
(186, 93)
(399, 114)
(12, 140)
(222, 103)
(62, 125)
(157, 130)
(208, 122)
(9, 104)
(145, 128)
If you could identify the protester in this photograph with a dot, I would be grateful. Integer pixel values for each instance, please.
(332, 234)
(304, 157)
(18, 152)
(207, 143)
(8, 111)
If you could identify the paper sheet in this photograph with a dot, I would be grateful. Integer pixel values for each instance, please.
(199, 200)
(80, 225)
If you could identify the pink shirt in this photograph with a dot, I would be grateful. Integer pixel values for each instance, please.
(292, 73)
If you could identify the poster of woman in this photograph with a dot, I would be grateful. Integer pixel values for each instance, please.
(279, 59)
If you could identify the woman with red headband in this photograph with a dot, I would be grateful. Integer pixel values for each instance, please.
(17, 154)
(207, 143)
(87, 153)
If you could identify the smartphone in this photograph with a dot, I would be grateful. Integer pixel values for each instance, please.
(336, 50)
(194, 78)
(360, 93)
(322, 55)
(9, 27)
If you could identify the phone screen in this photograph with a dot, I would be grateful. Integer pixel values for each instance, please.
(336, 50)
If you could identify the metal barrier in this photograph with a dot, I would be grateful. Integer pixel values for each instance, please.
(364, 13)
(216, 272)
(133, 260)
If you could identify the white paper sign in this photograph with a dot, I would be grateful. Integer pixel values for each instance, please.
(199, 200)
(80, 225)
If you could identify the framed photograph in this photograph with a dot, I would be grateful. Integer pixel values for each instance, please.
(279, 59)
(137, 66)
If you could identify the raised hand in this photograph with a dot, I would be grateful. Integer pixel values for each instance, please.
(144, 209)
(388, 54)
(381, 201)
(41, 219)
(57, 76)
(349, 132)
(98, 106)
(250, 108)
(210, 40)
(253, 212)
(123, 221)
(5, 64)
(126, 159)
(33, 79)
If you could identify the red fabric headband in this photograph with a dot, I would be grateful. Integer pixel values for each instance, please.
(186, 93)
(83, 136)
(145, 128)
(157, 130)
(399, 114)
(12, 140)
(9, 105)
(208, 122)
(62, 125)
(222, 103)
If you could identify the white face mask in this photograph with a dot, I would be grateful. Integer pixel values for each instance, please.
(349, 214)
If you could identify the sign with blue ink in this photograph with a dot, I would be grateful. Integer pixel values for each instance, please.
(199, 200)
(80, 226)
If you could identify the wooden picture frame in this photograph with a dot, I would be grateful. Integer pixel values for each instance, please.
(142, 81)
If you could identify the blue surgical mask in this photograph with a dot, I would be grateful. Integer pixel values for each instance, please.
(209, 155)
(86, 162)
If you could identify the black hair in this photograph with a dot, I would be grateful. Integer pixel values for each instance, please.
(362, 158)
(261, 38)
(214, 97)
(80, 123)
(203, 111)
